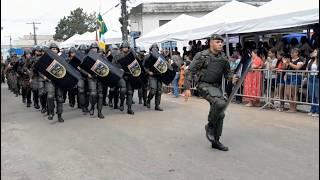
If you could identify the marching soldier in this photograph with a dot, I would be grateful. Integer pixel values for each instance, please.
(42, 80)
(2, 70)
(212, 65)
(155, 84)
(24, 71)
(72, 93)
(95, 89)
(34, 77)
(54, 93)
(142, 92)
(114, 53)
(83, 84)
(120, 88)
(105, 87)
(12, 74)
(124, 84)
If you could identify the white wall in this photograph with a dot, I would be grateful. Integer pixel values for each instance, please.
(151, 21)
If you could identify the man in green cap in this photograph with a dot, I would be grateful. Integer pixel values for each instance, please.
(211, 65)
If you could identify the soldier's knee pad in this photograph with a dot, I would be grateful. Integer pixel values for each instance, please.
(220, 104)
(123, 90)
(130, 92)
(50, 96)
(100, 95)
(80, 89)
(152, 91)
(60, 99)
(222, 115)
(93, 93)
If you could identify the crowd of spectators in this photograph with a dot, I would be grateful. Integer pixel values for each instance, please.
(288, 64)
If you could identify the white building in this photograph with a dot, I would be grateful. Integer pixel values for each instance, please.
(28, 41)
(148, 16)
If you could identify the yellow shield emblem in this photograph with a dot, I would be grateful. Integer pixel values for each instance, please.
(100, 68)
(135, 68)
(161, 65)
(56, 69)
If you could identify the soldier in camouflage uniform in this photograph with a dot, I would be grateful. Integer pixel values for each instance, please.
(83, 92)
(95, 89)
(155, 84)
(212, 65)
(143, 91)
(34, 78)
(54, 93)
(124, 84)
(24, 71)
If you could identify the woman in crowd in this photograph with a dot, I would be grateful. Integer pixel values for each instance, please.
(253, 80)
(279, 90)
(313, 84)
(293, 79)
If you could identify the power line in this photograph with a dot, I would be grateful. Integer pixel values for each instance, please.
(34, 31)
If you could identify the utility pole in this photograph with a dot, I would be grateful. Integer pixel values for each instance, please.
(124, 20)
(34, 31)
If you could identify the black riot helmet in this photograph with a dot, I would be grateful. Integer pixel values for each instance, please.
(27, 51)
(37, 48)
(94, 45)
(72, 50)
(125, 44)
(54, 45)
(154, 46)
(83, 48)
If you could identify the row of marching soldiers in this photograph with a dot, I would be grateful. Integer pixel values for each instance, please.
(90, 93)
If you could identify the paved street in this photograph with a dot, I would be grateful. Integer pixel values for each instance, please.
(264, 145)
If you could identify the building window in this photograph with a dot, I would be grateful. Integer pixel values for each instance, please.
(162, 22)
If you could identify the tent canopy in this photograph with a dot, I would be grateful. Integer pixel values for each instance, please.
(277, 14)
(214, 22)
(112, 37)
(160, 34)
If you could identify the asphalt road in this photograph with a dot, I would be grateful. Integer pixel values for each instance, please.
(264, 145)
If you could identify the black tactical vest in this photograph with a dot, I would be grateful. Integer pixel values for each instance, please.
(213, 68)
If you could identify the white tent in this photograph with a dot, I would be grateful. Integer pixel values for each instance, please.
(112, 37)
(86, 38)
(160, 34)
(277, 14)
(69, 42)
(215, 21)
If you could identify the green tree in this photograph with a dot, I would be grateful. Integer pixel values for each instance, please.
(77, 22)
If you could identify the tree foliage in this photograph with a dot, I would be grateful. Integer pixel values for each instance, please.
(77, 22)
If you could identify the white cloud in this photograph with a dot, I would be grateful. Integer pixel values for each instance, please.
(16, 13)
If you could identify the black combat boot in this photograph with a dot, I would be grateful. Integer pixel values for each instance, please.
(121, 108)
(100, 115)
(129, 111)
(36, 106)
(91, 110)
(50, 117)
(28, 105)
(60, 119)
(43, 110)
(84, 110)
(218, 145)
(110, 103)
(209, 133)
(157, 108)
(23, 100)
(140, 100)
(148, 104)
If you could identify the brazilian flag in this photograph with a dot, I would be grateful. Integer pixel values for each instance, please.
(101, 26)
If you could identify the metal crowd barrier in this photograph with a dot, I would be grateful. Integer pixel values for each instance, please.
(275, 84)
